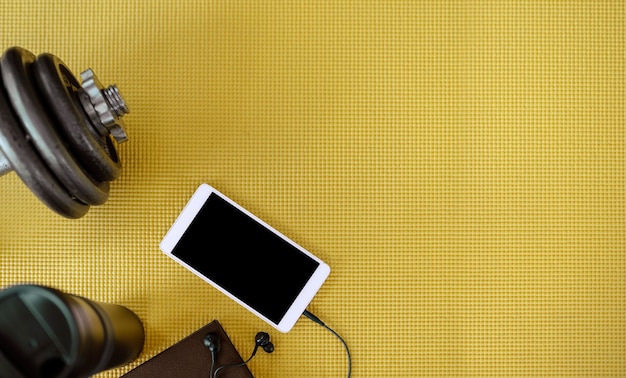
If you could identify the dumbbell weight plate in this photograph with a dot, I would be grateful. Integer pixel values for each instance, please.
(27, 164)
(14, 67)
(58, 87)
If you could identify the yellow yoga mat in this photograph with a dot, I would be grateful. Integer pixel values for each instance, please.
(459, 165)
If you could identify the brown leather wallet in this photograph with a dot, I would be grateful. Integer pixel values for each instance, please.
(189, 358)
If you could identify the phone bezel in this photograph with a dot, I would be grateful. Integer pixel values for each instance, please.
(184, 220)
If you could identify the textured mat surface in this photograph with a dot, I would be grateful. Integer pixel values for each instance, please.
(459, 165)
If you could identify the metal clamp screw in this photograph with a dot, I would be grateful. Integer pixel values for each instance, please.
(105, 106)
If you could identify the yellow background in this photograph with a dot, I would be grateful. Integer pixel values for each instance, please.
(459, 165)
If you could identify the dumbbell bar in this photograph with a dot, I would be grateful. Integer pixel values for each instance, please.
(56, 133)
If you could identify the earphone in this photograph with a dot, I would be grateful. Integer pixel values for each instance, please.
(262, 339)
(212, 342)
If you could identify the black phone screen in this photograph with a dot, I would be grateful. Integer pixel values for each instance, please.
(245, 258)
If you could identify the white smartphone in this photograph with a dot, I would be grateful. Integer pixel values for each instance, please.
(244, 258)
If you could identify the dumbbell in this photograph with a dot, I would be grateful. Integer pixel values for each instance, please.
(59, 135)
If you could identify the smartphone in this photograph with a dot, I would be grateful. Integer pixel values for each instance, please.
(245, 258)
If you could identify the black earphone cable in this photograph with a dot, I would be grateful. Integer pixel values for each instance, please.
(211, 374)
(256, 347)
(318, 321)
